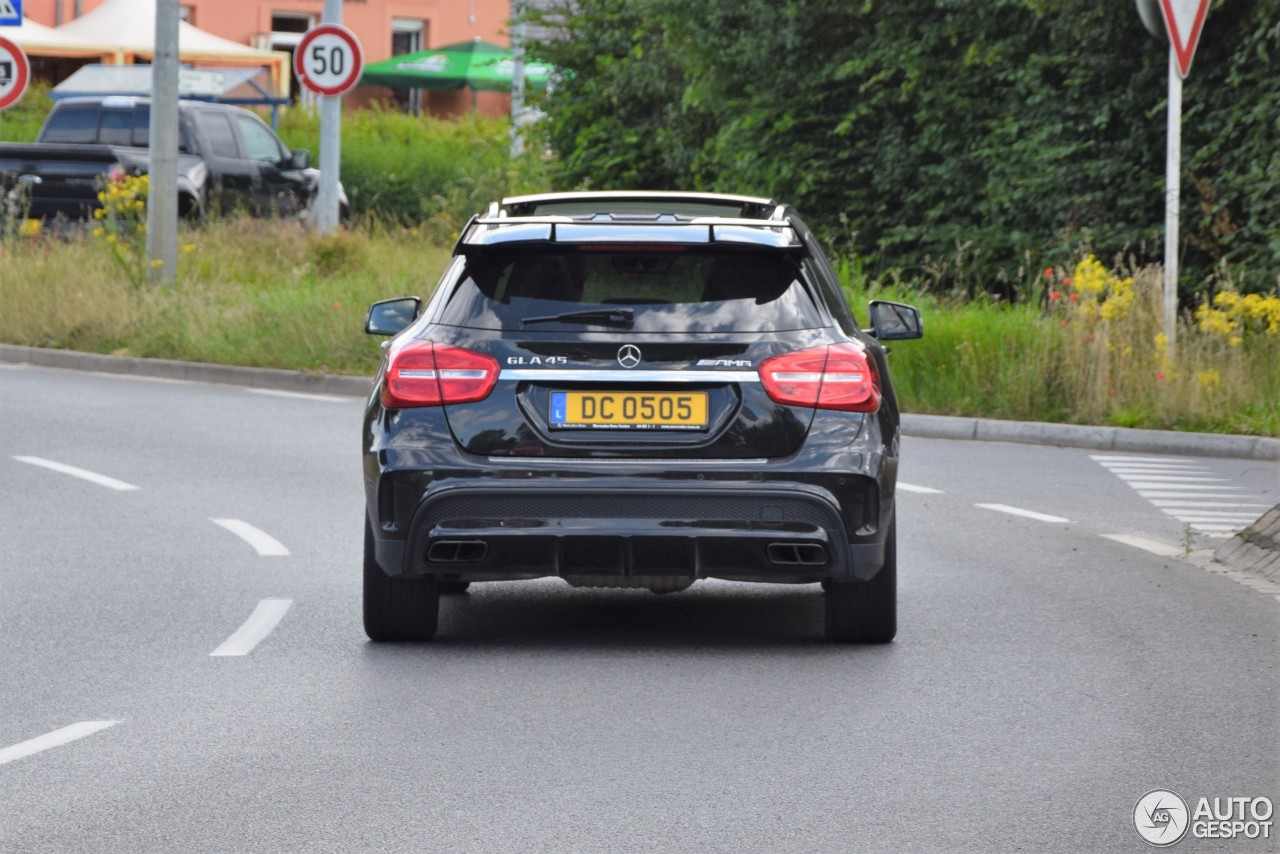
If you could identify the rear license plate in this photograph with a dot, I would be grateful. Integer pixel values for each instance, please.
(629, 410)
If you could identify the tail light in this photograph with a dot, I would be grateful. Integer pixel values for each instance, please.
(421, 373)
(839, 376)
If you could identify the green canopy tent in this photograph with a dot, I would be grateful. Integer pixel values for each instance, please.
(477, 64)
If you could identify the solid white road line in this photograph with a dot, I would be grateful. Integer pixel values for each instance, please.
(92, 477)
(262, 542)
(264, 618)
(923, 490)
(1212, 494)
(1120, 464)
(299, 395)
(1185, 487)
(1105, 458)
(1018, 511)
(1151, 477)
(1153, 546)
(1112, 464)
(57, 738)
(1239, 505)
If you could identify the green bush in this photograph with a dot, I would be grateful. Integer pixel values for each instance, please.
(969, 142)
(412, 170)
(21, 122)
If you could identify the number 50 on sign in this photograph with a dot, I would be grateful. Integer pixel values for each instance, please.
(328, 60)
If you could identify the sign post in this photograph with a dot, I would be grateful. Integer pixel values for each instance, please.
(1184, 19)
(15, 73)
(328, 61)
(162, 158)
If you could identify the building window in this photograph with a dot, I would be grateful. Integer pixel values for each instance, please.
(407, 36)
(287, 29)
(188, 14)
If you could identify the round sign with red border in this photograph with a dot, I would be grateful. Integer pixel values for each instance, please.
(15, 73)
(328, 60)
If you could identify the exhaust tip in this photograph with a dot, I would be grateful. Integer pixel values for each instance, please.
(797, 554)
(457, 551)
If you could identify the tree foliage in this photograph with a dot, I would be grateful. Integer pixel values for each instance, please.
(973, 141)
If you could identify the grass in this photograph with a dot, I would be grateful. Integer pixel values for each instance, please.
(248, 293)
(1070, 362)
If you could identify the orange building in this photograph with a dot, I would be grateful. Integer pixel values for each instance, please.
(385, 28)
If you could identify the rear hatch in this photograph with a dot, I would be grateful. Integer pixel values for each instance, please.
(631, 348)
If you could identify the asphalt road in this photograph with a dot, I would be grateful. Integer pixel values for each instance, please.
(173, 683)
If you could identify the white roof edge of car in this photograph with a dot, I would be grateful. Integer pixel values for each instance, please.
(629, 195)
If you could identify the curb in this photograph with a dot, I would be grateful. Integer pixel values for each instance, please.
(1094, 438)
(1255, 549)
(915, 426)
(265, 378)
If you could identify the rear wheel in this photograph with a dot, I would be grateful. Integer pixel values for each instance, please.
(866, 611)
(397, 609)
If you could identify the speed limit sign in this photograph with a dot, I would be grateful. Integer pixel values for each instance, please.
(15, 73)
(328, 59)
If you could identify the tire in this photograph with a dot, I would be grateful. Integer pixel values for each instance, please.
(866, 611)
(451, 585)
(397, 609)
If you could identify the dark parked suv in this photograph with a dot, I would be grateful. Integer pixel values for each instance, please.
(633, 390)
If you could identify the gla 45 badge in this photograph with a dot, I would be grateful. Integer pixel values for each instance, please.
(537, 360)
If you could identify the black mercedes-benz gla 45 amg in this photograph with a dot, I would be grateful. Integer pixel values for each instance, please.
(633, 390)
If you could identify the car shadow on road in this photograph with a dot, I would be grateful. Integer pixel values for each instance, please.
(554, 615)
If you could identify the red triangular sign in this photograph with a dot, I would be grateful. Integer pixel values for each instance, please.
(1184, 20)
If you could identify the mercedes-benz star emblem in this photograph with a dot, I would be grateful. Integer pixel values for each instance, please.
(628, 355)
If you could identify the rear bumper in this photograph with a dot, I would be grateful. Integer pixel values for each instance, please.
(626, 527)
(822, 513)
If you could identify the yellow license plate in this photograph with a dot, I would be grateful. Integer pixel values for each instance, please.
(635, 410)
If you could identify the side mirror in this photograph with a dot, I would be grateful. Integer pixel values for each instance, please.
(392, 316)
(895, 321)
(300, 159)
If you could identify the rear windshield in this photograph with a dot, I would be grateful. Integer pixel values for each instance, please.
(91, 124)
(663, 289)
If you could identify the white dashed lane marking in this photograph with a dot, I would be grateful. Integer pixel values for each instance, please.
(261, 622)
(1026, 514)
(57, 738)
(299, 395)
(923, 490)
(1188, 491)
(83, 474)
(262, 542)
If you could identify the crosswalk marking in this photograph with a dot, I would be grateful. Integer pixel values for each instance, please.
(1188, 491)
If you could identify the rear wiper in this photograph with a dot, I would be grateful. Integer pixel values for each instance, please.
(602, 316)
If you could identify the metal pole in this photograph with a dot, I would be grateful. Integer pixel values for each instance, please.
(517, 78)
(162, 168)
(330, 143)
(1172, 199)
